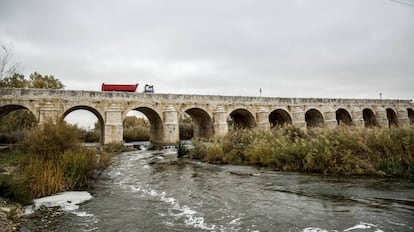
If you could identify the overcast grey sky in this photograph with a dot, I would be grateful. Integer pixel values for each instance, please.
(296, 48)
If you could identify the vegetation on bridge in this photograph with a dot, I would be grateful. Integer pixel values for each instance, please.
(344, 150)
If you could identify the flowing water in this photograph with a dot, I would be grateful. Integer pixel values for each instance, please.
(136, 195)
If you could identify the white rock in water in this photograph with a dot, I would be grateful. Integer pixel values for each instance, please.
(67, 201)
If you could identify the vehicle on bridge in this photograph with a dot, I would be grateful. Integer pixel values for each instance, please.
(149, 89)
(119, 87)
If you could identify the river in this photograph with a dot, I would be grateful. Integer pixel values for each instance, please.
(186, 195)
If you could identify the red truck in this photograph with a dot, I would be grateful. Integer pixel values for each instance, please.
(119, 87)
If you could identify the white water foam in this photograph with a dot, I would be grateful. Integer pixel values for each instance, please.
(191, 217)
(83, 214)
(360, 226)
(235, 221)
(66, 201)
(364, 225)
(88, 230)
(397, 223)
(314, 229)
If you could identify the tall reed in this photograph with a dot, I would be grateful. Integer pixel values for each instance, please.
(343, 150)
(57, 161)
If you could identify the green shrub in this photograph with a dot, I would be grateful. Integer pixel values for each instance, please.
(12, 158)
(12, 137)
(136, 134)
(136, 129)
(392, 166)
(91, 136)
(186, 130)
(215, 154)
(200, 149)
(14, 189)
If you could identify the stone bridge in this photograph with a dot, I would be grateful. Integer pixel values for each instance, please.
(211, 115)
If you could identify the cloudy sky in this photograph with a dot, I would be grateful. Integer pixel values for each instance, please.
(289, 48)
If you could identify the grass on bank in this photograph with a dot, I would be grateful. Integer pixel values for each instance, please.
(50, 159)
(343, 150)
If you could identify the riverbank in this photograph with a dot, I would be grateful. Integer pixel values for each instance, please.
(16, 194)
(343, 150)
(48, 160)
(10, 215)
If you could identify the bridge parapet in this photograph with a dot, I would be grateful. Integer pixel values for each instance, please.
(81, 94)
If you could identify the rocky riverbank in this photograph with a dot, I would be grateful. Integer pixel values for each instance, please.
(10, 215)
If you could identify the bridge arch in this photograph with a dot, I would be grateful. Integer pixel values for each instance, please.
(369, 117)
(314, 118)
(411, 115)
(392, 117)
(279, 117)
(6, 109)
(343, 117)
(242, 119)
(156, 123)
(93, 111)
(14, 118)
(202, 122)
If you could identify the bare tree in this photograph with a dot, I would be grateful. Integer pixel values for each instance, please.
(7, 66)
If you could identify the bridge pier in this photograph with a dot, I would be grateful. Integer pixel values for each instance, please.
(298, 118)
(221, 128)
(330, 117)
(171, 126)
(403, 119)
(381, 117)
(262, 116)
(48, 112)
(357, 117)
(113, 130)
